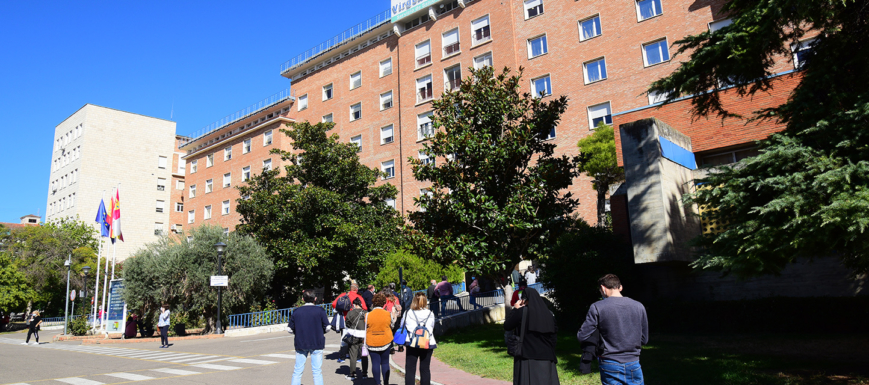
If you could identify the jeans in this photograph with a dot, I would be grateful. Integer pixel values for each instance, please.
(473, 300)
(424, 358)
(379, 366)
(164, 335)
(445, 298)
(316, 366)
(616, 373)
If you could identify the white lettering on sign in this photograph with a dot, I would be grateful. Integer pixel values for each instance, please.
(404, 8)
(220, 280)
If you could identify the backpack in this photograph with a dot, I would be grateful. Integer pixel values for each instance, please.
(421, 335)
(344, 303)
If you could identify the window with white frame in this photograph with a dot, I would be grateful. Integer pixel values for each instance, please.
(386, 67)
(423, 121)
(227, 180)
(423, 53)
(267, 165)
(303, 102)
(158, 229)
(209, 186)
(161, 183)
(160, 206)
(207, 214)
(551, 134)
(385, 100)
(484, 60)
(224, 208)
(541, 86)
(655, 52)
(356, 80)
(386, 134)
(601, 113)
(390, 202)
(209, 160)
(267, 138)
(537, 46)
(480, 31)
(657, 97)
(161, 161)
(245, 174)
(594, 70)
(388, 169)
(179, 185)
(425, 159)
(191, 216)
(356, 111)
(450, 41)
(327, 118)
(245, 146)
(648, 8)
(357, 140)
(327, 92)
(182, 165)
(533, 8)
(179, 207)
(716, 25)
(453, 77)
(193, 164)
(423, 89)
(424, 192)
(801, 52)
(227, 153)
(589, 28)
(193, 191)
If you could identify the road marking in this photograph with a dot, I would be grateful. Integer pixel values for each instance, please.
(193, 359)
(171, 357)
(177, 372)
(79, 381)
(290, 356)
(250, 361)
(20, 383)
(333, 346)
(130, 376)
(266, 339)
(216, 367)
(207, 361)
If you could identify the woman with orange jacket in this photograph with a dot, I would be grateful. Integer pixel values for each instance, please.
(378, 338)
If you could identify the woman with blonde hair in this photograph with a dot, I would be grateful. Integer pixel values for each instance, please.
(35, 321)
(420, 340)
(378, 338)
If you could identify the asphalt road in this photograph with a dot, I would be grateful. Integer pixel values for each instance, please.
(260, 359)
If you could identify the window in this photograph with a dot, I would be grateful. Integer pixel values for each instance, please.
(385, 100)
(327, 118)
(245, 174)
(390, 202)
(182, 165)
(801, 52)
(426, 160)
(356, 80)
(191, 215)
(245, 146)
(161, 162)
(227, 179)
(357, 140)
(451, 42)
(193, 191)
(267, 165)
(161, 183)
(727, 157)
(533, 8)
(179, 185)
(160, 206)
(303, 102)
(227, 153)
(209, 160)
(226, 231)
(423, 53)
(423, 121)
(600, 113)
(179, 207)
(480, 30)
(356, 111)
(207, 212)
(416, 22)
(158, 229)
(648, 8)
(716, 25)
(657, 97)
(453, 77)
(267, 138)
(484, 60)
(193, 166)
(209, 186)
(656, 52)
(386, 67)
(423, 89)
(388, 169)
(541, 87)
(551, 134)
(595, 70)
(327, 92)
(424, 192)
(224, 208)
(446, 7)
(537, 46)
(386, 134)
(589, 28)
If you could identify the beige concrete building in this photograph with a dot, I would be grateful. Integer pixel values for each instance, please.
(98, 148)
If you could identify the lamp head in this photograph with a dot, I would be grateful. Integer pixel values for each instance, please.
(67, 263)
(86, 269)
(220, 246)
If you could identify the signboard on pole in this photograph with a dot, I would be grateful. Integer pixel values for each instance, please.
(404, 8)
(220, 280)
(117, 307)
(72, 295)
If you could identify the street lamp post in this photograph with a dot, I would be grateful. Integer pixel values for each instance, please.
(220, 246)
(68, 265)
(86, 269)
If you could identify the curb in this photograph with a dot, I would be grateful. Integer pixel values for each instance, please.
(400, 369)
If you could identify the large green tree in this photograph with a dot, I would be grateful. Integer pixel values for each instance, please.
(500, 195)
(15, 290)
(322, 218)
(601, 164)
(418, 272)
(176, 271)
(807, 193)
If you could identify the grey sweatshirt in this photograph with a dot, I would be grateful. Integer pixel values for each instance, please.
(623, 327)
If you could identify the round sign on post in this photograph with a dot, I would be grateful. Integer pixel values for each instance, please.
(72, 295)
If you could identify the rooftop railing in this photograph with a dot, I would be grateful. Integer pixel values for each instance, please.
(350, 34)
(232, 118)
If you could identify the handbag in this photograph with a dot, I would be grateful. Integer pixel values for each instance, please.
(400, 337)
(514, 342)
(365, 340)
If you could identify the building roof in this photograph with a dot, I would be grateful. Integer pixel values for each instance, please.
(31, 216)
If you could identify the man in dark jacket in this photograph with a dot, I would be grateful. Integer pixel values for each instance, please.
(433, 298)
(367, 296)
(309, 323)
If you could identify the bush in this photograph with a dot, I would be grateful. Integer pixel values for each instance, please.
(417, 271)
(79, 326)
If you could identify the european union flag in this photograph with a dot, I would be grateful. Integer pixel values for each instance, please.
(102, 219)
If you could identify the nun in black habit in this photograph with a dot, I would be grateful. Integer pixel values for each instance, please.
(536, 365)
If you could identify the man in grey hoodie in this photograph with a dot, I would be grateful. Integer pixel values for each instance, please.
(623, 327)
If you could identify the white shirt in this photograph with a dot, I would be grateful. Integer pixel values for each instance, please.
(414, 317)
(164, 319)
(530, 277)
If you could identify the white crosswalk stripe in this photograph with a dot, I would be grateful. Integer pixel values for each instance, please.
(250, 361)
(216, 367)
(276, 355)
(141, 354)
(130, 376)
(79, 381)
(194, 359)
(177, 372)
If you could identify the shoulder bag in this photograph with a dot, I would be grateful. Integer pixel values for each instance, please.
(514, 340)
(400, 337)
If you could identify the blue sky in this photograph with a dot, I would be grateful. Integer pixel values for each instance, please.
(204, 60)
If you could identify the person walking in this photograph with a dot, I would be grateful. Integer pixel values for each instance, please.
(537, 363)
(419, 320)
(433, 298)
(356, 332)
(33, 327)
(530, 275)
(623, 327)
(367, 295)
(378, 339)
(445, 289)
(473, 291)
(163, 325)
(309, 323)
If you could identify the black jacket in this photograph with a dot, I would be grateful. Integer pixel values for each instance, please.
(590, 349)
(535, 346)
(367, 296)
(430, 293)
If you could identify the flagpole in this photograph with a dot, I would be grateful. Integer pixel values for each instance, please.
(105, 289)
(99, 254)
(115, 245)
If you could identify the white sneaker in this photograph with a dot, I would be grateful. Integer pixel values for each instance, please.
(24, 343)
(34, 343)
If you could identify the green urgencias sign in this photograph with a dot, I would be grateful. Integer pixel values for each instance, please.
(404, 8)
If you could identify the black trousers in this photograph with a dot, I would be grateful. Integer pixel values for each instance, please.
(424, 358)
(164, 335)
(34, 332)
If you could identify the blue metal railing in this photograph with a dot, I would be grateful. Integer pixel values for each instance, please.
(241, 114)
(268, 317)
(350, 34)
(55, 321)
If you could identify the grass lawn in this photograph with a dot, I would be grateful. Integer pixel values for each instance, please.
(775, 359)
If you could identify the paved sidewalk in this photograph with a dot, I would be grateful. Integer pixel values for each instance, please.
(441, 374)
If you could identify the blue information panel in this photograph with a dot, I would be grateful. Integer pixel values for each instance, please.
(117, 307)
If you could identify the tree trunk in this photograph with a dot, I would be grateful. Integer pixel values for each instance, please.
(29, 307)
(601, 203)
